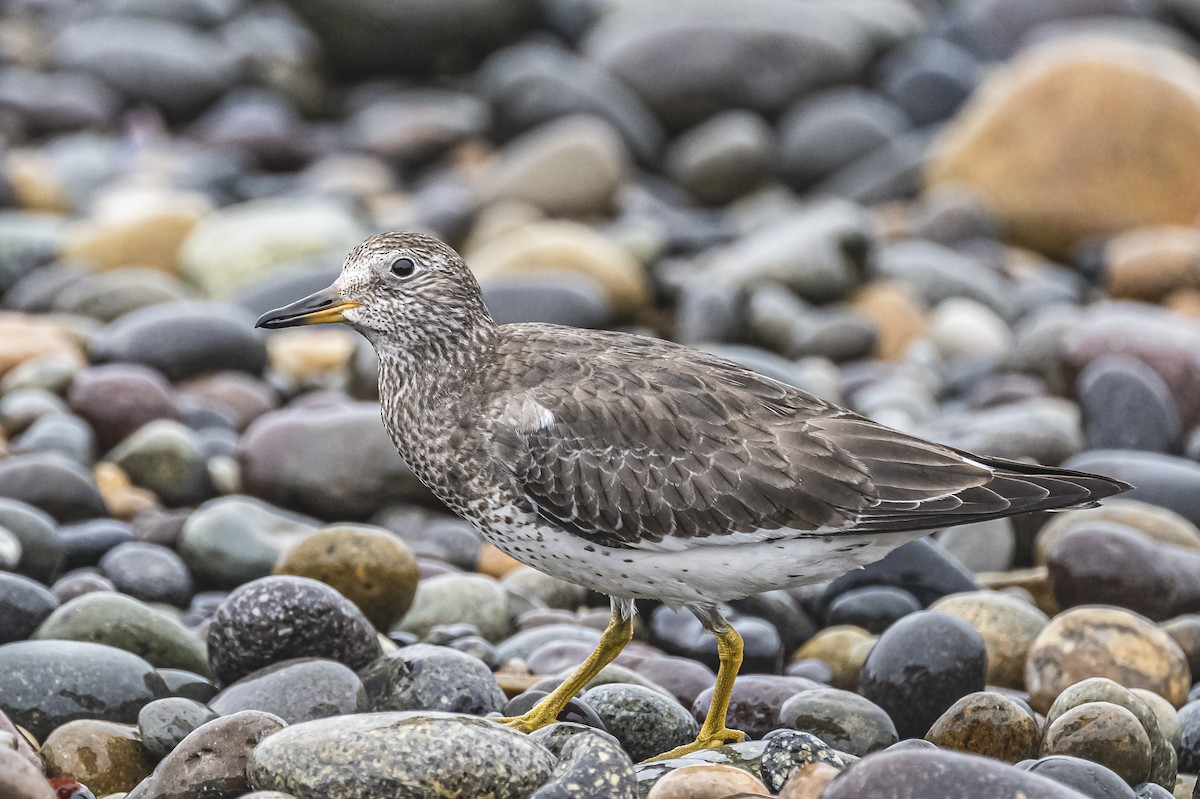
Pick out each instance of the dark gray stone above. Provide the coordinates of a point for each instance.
(872, 607)
(644, 721)
(929, 79)
(1091, 779)
(42, 551)
(832, 130)
(60, 487)
(919, 567)
(295, 691)
(149, 572)
(188, 685)
(165, 722)
(755, 701)
(372, 36)
(47, 683)
(533, 83)
(118, 399)
(24, 603)
(183, 339)
(1126, 405)
(280, 618)
(172, 66)
(796, 49)
(1158, 479)
(559, 299)
(61, 434)
(921, 666)
(428, 677)
(351, 466)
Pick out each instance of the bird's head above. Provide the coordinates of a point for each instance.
(398, 289)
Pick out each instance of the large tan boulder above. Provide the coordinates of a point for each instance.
(1080, 138)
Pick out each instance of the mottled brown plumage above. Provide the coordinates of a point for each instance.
(641, 468)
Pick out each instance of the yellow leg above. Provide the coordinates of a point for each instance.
(713, 732)
(614, 638)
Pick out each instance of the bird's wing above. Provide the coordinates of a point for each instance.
(634, 446)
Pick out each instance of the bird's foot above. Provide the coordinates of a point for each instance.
(706, 740)
(527, 722)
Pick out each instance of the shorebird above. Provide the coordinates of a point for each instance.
(643, 469)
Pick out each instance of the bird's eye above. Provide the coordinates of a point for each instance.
(403, 267)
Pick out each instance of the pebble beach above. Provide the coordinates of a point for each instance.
(976, 221)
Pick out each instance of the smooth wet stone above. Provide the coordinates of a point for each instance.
(843, 649)
(117, 399)
(427, 677)
(831, 129)
(236, 395)
(60, 487)
(723, 157)
(1104, 733)
(1153, 521)
(372, 568)
(1127, 405)
(165, 722)
(922, 665)
(148, 572)
(683, 678)
(843, 719)
(232, 540)
(523, 644)
(989, 724)
(644, 721)
(47, 683)
(87, 542)
(562, 299)
(1008, 626)
(1167, 480)
(706, 781)
(1110, 564)
(535, 81)
(924, 773)
(10, 550)
(450, 540)
(334, 461)
(1104, 642)
(295, 691)
(424, 755)
(167, 458)
(188, 685)
(452, 598)
(21, 779)
(59, 433)
(873, 608)
(212, 760)
(539, 587)
(1189, 747)
(918, 567)
(572, 165)
(22, 407)
(680, 633)
(590, 765)
(24, 603)
(755, 701)
(1091, 779)
(125, 623)
(278, 618)
(183, 339)
(79, 582)
(647, 49)
(106, 757)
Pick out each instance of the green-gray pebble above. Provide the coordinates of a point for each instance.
(117, 620)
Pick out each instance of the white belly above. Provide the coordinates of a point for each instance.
(700, 574)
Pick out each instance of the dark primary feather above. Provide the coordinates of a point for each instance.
(652, 443)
